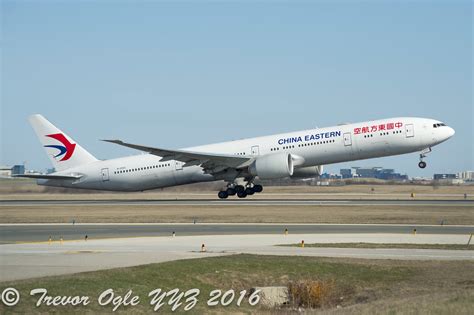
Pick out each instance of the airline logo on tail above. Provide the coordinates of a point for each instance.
(66, 150)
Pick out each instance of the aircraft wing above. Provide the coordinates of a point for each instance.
(48, 176)
(211, 162)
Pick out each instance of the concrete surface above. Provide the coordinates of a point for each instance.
(22, 261)
(236, 201)
(11, 233)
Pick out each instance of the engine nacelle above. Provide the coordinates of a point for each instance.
(307, 172)
(272, 166)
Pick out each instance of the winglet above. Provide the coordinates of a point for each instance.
(112, 141)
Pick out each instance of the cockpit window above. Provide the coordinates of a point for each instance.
(438, 125)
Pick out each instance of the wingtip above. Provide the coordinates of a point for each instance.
(112, 140)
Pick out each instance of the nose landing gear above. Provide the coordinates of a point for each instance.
(422, 164)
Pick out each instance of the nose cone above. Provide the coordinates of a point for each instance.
(448, 132)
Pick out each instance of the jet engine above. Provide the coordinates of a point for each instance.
(272, 166)
(307, 172)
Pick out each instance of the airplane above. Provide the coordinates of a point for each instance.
(299, 154)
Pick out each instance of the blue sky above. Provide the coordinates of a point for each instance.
(177, 74)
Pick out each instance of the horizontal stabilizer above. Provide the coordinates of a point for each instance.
(48, 176)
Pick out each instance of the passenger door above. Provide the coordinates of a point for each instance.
(255, 150)
(409, 131)
(347, 139)
(105, 174)
(347, 143)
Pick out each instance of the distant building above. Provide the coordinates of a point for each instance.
(347, 172)
(389, 174)
(422, 179)
(444, 176)
(18, 169)
(322, 183)
(330, 176)
(372, 172)
(466, 175)
(5, 171)
(368, 172)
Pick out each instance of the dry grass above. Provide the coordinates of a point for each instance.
(408, 214)
(454, 302)
(355, 285)
(413, 214)
(28, 190)
(313, 293)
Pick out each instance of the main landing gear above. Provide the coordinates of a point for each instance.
(240, 190)
(422, 164)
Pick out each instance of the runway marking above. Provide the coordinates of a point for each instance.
(39, 232)
(84, 252)
(240, 224)
(56, 243)
(246, 204)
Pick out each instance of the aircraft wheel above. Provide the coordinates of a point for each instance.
(223, 194)
(241, 194)
(231, 191)
(239, 188)
(422, 164)
(258, 188)
(249, 191)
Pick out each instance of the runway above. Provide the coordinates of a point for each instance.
(26, 253)
(242, 202)
(12, 233)
(29, 260)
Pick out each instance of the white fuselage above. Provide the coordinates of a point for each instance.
(316, 147)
